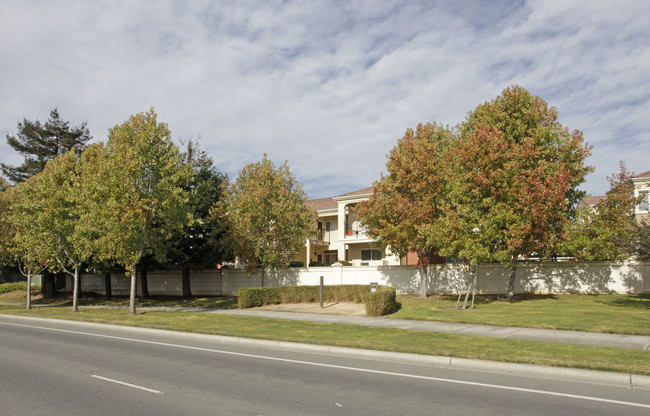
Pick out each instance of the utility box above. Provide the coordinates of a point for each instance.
(373, 287)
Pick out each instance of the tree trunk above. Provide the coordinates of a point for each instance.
(132, 291)
(108, 290)
(48, 288)
(29, 289)
(263, 273)
(187, 289)
(422, 270)
(511, 283)
(75, 290)
(144, 284)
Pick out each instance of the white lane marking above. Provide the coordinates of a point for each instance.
(340, 367)
(123, 383)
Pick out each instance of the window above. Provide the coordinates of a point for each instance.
(370, 254)
(644, 205)
(331, 257)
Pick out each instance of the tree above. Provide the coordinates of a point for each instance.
(404, 213)
(605, 232)
(26, 240)
(200, 243)
(56, 196)
(266, 216)
(515, 178)
(641, 240)
(5, 226)
(134, 196)
(39, 143)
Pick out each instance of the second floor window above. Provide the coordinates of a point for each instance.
(644, 205)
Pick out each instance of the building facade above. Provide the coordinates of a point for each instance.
(340, 235)
(642, 189)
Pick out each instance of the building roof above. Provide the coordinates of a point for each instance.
(642, 175)
(326, 204)
(321, 204)
(592, 201)
(360, 192)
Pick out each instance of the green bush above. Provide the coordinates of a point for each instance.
(296, 264)
(345, 263)
(12, 287)
(382, 302)
(376, 305)
(316, 264)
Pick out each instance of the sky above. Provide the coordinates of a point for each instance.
(328, 86)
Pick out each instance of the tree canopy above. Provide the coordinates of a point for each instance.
(26, 240)
(134, 196)
(505, 186)
(55, 197)
(39, 143)
(200, 242)
(405, 210)
(606, 231)
(266, 217)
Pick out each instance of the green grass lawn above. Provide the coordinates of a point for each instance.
(622, 314)
(385, 339)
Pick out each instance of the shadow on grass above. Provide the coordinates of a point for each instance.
(638, 301)
(91, 299)
(489, 299)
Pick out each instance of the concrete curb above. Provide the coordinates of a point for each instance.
(625, 380)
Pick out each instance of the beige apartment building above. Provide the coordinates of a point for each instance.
(340, 235)
(642, 189)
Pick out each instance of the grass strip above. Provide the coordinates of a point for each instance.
(615, 313)
(385, 339)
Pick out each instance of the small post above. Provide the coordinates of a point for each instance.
(373, 287)
(321, 292)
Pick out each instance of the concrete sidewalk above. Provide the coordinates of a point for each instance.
(633, 342)
(352, 317)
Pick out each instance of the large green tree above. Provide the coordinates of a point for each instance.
(201, 242)
(135, 197)
(57, 199)
(404, 213)
(39, 143)
(515, 178)
(606, 231)
(26, 240)
(266, 217)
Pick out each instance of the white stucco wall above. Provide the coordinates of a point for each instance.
(592, 277)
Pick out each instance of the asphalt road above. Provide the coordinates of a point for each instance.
(63, 368)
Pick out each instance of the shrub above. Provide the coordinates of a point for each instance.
(382, 302)
(12, 287)
(377, 304)
(296, 264)
(345, 263)
(316, 264)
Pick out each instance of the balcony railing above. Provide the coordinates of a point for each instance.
(356, 235)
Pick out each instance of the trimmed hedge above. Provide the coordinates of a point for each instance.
(12, 287)
(377, 304)
(382, 302)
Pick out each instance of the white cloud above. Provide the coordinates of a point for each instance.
(330, 86)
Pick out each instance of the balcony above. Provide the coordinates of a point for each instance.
(356, 235)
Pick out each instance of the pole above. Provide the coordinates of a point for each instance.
(321, 292)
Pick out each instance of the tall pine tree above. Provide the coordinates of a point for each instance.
(39, 143)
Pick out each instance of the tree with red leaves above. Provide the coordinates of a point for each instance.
(515, 178)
